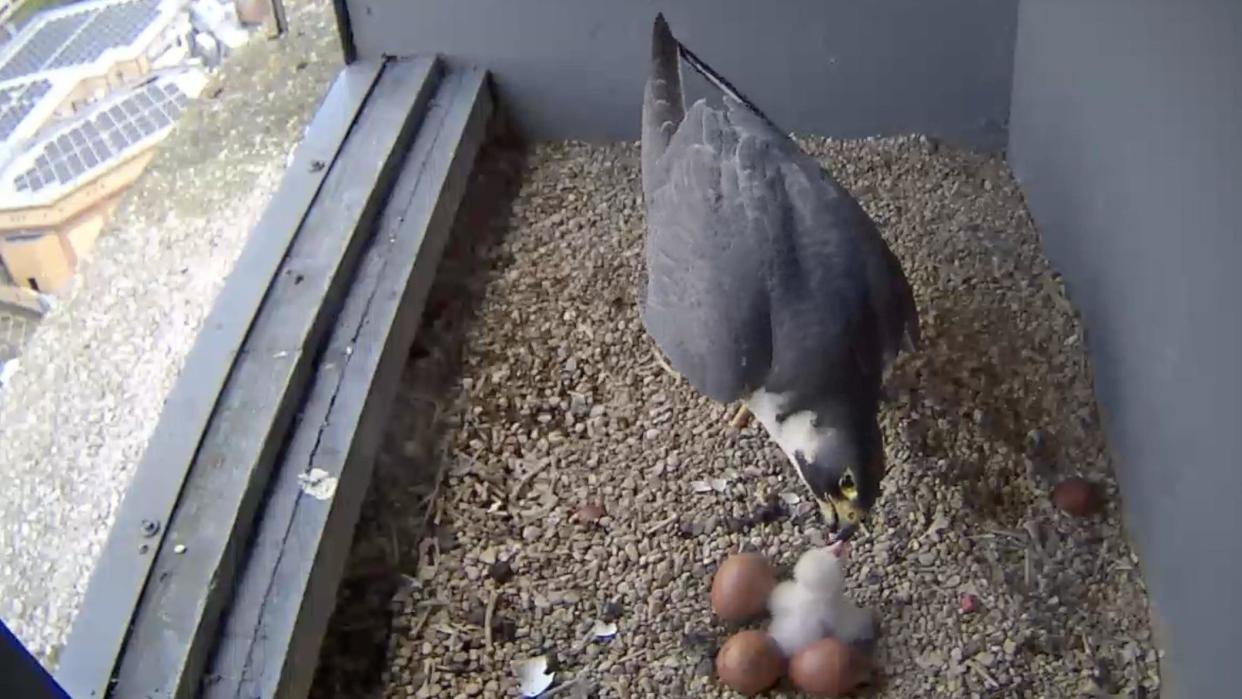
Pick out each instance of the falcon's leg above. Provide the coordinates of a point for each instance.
(741, 418)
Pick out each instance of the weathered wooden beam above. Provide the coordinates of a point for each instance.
(102, 621)
(288, 590)
(175, 625)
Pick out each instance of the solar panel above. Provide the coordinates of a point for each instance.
(106, 134)
(43, 45)
(18, 102)
(81, 37)
(113, 26)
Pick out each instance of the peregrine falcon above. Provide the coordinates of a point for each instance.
(768, 283)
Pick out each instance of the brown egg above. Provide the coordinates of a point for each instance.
(829, 668)
(749, 662)
(741, 586)
(1076, 496)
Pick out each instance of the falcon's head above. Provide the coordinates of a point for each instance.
(842, 466)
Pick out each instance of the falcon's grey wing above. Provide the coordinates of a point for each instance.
(706, 302)
(842, 307)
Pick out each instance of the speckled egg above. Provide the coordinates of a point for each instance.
(829, 668)
(749, 662)
(741, 586)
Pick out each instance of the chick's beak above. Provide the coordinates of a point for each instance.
(843, 517)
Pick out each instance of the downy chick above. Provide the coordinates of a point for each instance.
(813, 605)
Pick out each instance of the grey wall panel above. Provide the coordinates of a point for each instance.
(1127, 136)
(575, 68)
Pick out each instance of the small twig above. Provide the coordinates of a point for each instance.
(427, 669)
(526, 478)
(659, 358)
(661, 524)
(433, 499)
(488, 615)
(422, 620)
(988, 679)
(439, 516)
(632, 655)
(1006, 533)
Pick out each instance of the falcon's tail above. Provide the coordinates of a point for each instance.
(721, 83)
(663, 103)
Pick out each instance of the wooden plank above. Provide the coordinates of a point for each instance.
(175, 624)
(102, 620)
(287, 593)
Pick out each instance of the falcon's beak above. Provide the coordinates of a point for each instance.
(843, 517)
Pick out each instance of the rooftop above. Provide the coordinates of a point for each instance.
(60, 48)
(120, 126)
(77, 35)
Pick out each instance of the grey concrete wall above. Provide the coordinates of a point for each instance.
(1127, 136)
(576, 68)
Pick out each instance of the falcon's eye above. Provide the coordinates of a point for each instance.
(848, 489)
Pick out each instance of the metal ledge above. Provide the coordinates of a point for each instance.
(313, 279)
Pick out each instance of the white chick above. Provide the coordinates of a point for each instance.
(823, 570)
(813, 605)
(798, 616)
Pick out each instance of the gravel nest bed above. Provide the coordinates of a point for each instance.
(540, 470)
(76, 418)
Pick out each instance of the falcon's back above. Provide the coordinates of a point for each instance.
(762, 271)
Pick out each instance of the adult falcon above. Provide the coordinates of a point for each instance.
(768, 283)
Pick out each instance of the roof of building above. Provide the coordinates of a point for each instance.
(59, 48)
(42, 160)
(110, 132)
(77, 34)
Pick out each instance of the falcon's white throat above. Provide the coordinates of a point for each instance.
(796, 433)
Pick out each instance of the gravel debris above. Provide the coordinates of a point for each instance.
(75, 420)
(534, 392)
